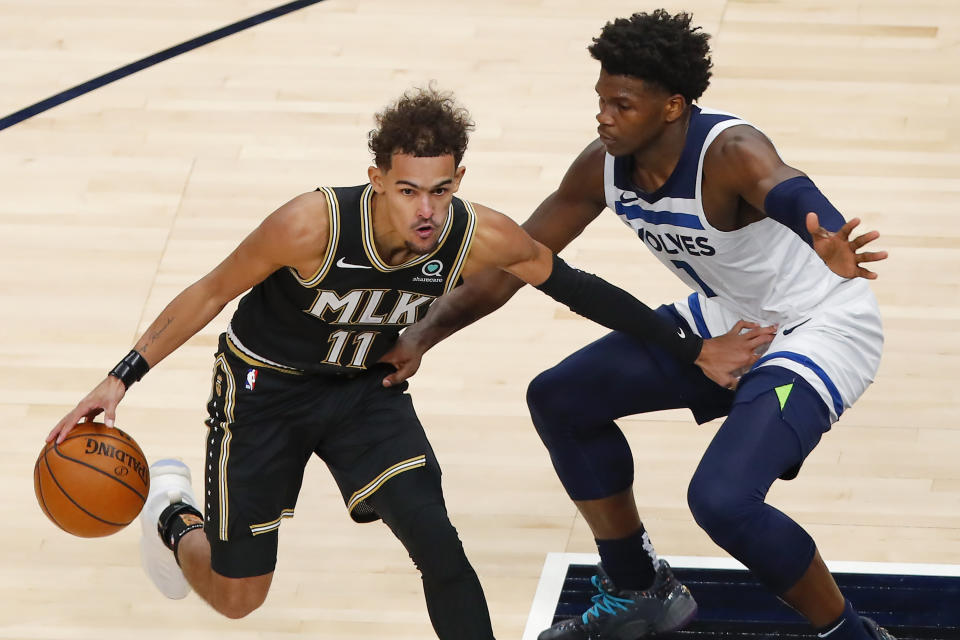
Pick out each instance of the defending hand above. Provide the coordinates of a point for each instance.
(405, 356)
(839, 252)
(724, 358)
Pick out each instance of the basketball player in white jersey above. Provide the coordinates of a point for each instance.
(754, 239)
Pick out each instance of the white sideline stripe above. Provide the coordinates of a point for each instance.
(555, 570)
(548, 590)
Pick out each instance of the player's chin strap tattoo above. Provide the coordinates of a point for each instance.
(614, 308)
(129, 370)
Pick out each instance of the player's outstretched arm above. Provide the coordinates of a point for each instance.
(503, 244)
(289, 236)
(745, 162)
(482, 294)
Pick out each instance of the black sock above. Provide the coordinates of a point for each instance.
(847, 627)
(630, 562)
(175, 522)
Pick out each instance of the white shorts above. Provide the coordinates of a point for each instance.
(835, 346)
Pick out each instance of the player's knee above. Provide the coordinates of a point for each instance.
(719, 506)
(433, 544)
(549, 400)
(238, 598)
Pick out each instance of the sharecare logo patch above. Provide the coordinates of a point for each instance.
(432, 272)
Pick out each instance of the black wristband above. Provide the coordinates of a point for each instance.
(129, 370)
(614, 308)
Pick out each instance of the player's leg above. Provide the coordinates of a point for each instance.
(573, 406)
(232, 597)
(776, 420)
(412, 505)
(180, 526)
(386, 470)
(254, 465)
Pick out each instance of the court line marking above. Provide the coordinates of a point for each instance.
(555, 571)
(161, 56)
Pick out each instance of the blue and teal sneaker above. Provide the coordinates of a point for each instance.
(627, 615)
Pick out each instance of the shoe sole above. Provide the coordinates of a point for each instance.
(177, 591)
(677, 618)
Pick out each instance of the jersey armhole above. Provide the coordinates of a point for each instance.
(708, 141)
(453, 277)
(333, 226)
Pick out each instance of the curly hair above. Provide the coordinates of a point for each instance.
(659, 48)
(423, 122)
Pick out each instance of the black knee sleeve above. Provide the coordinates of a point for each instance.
(433, 544)
(412, 506)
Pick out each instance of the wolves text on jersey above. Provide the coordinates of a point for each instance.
(674, 243)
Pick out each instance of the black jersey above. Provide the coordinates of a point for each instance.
(349, 313)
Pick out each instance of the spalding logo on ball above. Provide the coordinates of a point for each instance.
(94, 483)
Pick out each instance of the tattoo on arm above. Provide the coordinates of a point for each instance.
(153, 336)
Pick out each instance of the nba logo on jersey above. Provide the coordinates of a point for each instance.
(251, 379)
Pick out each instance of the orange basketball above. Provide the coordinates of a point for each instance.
(94, 483)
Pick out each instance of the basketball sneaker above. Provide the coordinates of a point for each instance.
(169, 484)
(875, 630)
(626, 615)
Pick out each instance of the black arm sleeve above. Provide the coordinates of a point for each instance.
(598, 300)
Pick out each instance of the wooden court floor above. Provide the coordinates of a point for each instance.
(113, 202)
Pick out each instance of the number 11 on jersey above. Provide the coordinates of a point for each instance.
(338, 342)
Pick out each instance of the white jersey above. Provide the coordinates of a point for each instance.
(763, 273)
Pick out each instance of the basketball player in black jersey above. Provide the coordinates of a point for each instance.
(333, 275)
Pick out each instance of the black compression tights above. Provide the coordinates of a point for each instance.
(411, 504)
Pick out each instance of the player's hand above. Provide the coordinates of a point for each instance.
(405, 356)
(839, 252)
(725, 358)
(103, 399)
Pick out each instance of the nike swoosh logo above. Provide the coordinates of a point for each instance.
(347, 265)
(827, 633)
(626, 200)
(681, 333)
(787, 332)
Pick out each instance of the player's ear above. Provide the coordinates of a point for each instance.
(674, 107)
(375, 175)
(457, 177)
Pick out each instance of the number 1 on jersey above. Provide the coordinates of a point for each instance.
(338, 340)
(707, 291)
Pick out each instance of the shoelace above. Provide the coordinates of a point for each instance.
(603, 602)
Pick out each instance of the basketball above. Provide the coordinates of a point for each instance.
(94, 483)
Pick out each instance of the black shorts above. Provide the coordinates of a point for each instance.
(263, 427)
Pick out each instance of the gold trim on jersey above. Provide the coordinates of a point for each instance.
(370, 488)
(237, 349)
(465, 245)
(229, 403)
(333, 212)
(370, 248)
(267, 527)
